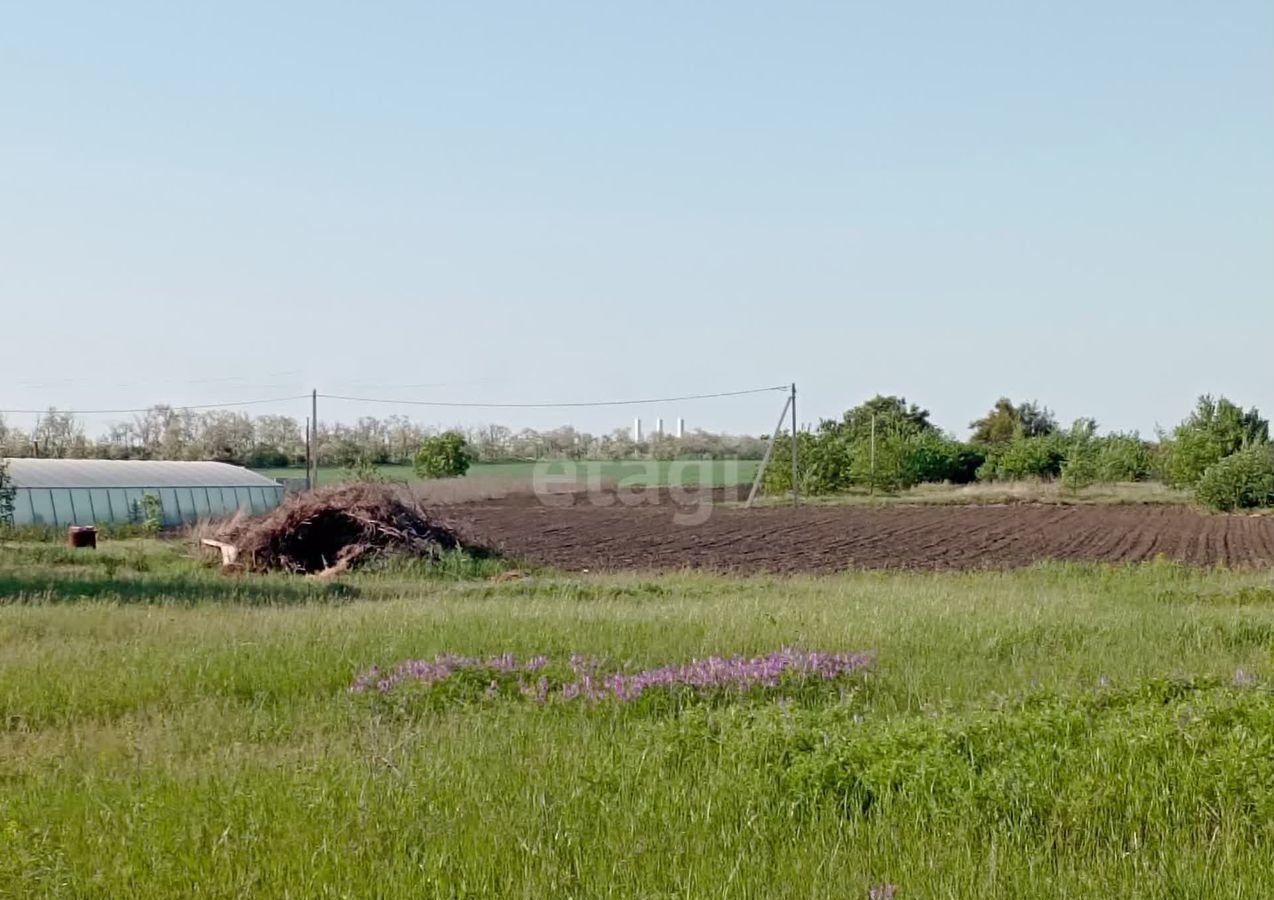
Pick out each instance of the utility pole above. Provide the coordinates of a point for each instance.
(872, 489)
(314, 436)
(769, 451)
(796, 469)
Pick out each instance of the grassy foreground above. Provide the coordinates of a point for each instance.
(1060, 731)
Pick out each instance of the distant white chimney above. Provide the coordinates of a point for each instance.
(681, 427)
(659, 427)
(637, 431)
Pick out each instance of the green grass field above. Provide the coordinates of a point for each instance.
(715, 473)
(1063, 731)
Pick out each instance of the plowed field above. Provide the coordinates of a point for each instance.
(826, 539)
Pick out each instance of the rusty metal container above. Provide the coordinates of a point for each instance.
(82, 537)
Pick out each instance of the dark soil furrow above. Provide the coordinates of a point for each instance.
(825, 539)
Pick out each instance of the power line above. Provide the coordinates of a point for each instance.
(587, 403)
(142, 409)
(434, 403)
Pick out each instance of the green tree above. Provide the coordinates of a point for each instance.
(8, 494)
(824, 465)
(1123, 457)
(1033, 457)
(1214, 430)
(443, 455)
(892, 415)
(871, 444)
(884, 443)
(883, 464)
(1082, 465)
(1006, 421)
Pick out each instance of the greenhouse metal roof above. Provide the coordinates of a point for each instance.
(129, 473)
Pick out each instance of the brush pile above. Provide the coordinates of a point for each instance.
(333, 529)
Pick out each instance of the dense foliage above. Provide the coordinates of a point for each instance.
(1242, 480)
(1216, 429)
(445, 455)
(1007, 421)
(273, 441)
(884, 444)
(903, 449)
(1039, 456)
(887, 444)
(1122, 456)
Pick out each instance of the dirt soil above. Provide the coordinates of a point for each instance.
(646, 534)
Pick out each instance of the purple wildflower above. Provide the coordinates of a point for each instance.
(581, 664)
(735, 673)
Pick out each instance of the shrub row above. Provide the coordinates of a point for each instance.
(1220, 450)
(831, 464)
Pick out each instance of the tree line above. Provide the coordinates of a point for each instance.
(272, 441)
(1220, 451)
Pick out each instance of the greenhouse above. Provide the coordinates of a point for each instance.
(60, 492)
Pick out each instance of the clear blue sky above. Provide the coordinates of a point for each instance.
(1072, 202)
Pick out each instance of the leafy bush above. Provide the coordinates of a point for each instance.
(1243, 480)
(963, 463)
(887, 468)
(884, 443)
(825, 461)
(1023, 457)
(148, 513)
(444, 455)
(1212, 432)
(1123, 457)
(265, 457)
(1079, 456)
(365, 471)
(933, 458)
(830, 463)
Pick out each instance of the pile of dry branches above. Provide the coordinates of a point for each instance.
(333, 529)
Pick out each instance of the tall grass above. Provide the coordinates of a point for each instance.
(1059, 731)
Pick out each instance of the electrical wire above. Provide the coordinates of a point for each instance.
(575, 404)
(105, 412)
(435, 403)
